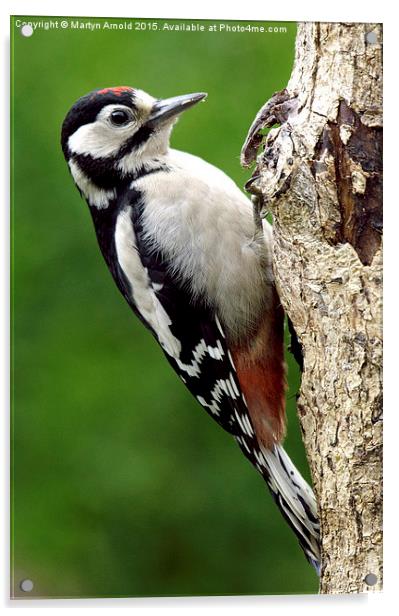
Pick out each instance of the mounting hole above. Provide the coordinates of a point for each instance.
(371, 38)
(26, 585)
(371, 579)
(26, 30)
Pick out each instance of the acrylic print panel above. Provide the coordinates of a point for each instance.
(122, 485)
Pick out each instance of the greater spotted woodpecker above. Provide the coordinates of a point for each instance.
(180, 241)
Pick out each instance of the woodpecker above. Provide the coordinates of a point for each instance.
(181, 242)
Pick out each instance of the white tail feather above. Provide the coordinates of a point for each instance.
(295, 499)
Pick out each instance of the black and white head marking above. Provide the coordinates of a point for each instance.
(99, 130)
(111, 135)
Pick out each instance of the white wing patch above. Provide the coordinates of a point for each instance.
(223, 386)
(200, 351)
(143, 293)
(219, 326)
(245, 424)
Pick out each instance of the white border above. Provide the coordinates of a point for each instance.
(306, 10)
(290, 10)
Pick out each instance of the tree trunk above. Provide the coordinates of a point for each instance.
(320, 174)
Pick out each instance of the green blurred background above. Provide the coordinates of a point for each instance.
(121, 484)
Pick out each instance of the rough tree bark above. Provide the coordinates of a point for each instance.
(320, 174)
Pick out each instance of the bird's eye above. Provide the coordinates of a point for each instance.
(119, 117)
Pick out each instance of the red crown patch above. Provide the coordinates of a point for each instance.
(118, 90)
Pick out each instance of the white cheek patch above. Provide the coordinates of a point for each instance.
(96, 140)
(100, 139)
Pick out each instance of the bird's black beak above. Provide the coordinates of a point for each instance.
(167, 108)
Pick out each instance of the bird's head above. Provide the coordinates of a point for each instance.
(111, 133)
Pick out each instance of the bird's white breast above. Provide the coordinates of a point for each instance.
(204, 226)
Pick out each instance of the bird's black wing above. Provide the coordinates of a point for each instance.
(206, 366)
(204, 363)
